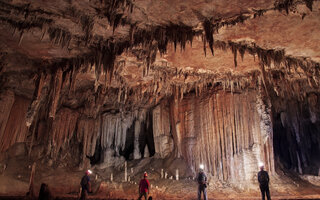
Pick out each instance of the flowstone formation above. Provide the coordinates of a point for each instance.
(127, 86)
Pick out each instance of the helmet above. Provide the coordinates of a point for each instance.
(145, 174)
(88, 172)
(261, 164)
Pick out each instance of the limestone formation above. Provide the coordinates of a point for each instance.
(167, 84)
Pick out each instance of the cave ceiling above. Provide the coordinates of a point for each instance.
(162, 47)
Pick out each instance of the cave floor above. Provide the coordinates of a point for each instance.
(64, 182)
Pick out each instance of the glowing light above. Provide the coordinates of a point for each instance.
(261, 164)
(89, 171)
(201, 166)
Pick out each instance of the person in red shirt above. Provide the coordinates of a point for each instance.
(144, 186)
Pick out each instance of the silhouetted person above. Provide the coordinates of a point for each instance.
(263, 179)
(44, 193)
(144, 186)
(202, 181)
(85, 185)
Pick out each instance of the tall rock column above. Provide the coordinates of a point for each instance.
(161, 130)
(136, 150)
(230, 133)
(266, 133)
(176, 126)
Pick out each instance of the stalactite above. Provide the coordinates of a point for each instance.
(63, 129)
(178, 34)
(283, 5)
(21, 37)
(114, 10)
(258, 13)
(39, 96)
(59, 36)
(208, 28)
(25, 24)
(87, 25)
(309, 4)
(269, 56)
(57, 82)
(234, 51)
(88, 131)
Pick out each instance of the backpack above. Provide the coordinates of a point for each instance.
(84, 182)
(263, 178)
(201, 178)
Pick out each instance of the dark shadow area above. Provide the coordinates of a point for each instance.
(96, 158)
(146, 136)
(296, 138)
(129, 146)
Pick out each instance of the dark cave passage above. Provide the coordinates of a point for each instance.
(96, 158)
(146, 136)
(296, 127)
(145, 139)
(129, 146)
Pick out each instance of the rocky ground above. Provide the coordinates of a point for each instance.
(64, 182)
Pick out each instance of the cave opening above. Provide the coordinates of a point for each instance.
(296, 140)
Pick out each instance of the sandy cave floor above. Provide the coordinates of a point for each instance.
(64, 182)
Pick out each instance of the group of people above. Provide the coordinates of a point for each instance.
(263, 179)
(144, 185)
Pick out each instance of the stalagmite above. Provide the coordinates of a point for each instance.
(31, 193)
(146, 152)
(125, 172)
(177, 174)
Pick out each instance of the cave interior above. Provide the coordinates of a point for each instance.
(127, 86)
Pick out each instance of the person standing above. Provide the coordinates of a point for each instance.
(144, 186)
(85, 185)
(263, 179)
(202, 181)
(44, 193)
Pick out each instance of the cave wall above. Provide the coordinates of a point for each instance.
(13, 127)
(73, 134)
(230, 133)
(296, 133)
